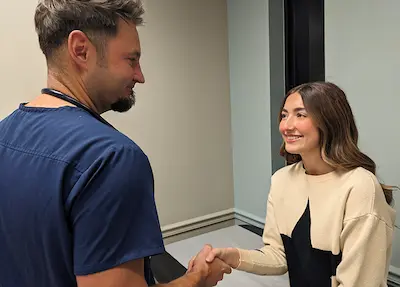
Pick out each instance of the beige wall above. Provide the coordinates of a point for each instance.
(182, 117)
(22, 67)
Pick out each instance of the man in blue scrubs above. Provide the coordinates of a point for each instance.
(77, 196)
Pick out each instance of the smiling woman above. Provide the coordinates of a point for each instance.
(329, 221)
(300, 134)
(318, 128)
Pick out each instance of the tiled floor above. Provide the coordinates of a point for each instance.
(234, 236)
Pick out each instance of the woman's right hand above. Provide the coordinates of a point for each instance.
(230, 256)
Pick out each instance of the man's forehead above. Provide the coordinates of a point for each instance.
(128, 38)
(127, 27)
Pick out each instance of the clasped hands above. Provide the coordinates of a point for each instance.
(214, 263)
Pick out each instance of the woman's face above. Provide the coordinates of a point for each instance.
(298, 131)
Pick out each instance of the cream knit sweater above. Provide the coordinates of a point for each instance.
(330, 230)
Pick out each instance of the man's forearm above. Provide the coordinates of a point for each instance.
(192, 279)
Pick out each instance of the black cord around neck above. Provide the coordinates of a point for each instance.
(75, 102)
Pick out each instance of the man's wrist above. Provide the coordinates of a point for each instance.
(199, 276)
(193, 278)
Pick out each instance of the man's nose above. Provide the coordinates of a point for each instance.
(139, 77)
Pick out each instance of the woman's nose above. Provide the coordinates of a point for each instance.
(289, 123)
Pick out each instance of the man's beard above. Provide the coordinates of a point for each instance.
(124, 104)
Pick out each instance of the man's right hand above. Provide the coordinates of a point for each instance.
(202, 274)
(211, 272)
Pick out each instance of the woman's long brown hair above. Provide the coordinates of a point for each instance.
(331, 113)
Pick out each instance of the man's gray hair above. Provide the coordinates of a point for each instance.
(98, 19)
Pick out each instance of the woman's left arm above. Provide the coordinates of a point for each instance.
(366, 243)
(366, 236)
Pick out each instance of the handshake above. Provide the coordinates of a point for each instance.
(214, 263)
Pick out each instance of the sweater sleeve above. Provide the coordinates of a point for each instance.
(366, 243)
(271, 259)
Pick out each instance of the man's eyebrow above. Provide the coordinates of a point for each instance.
(135, 54)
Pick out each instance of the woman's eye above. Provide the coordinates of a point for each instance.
(301, 115)
(283, 116)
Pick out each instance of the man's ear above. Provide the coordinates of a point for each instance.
(80, 48)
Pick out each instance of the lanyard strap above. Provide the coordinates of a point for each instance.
(73, 101)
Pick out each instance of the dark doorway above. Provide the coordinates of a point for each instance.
(304, 42)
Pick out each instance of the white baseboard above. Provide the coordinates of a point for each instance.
(394, 276)
(210, 219)
(249, 218)
(197, 223)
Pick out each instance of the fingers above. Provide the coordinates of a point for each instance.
(212, 256)
(216, 252)
(191, 264)
(210, 266)
(218, 270)
(222, 266)
(227, 269)
(204, 252)
(200, 257)
(207, 248)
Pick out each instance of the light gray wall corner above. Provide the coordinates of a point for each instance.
(248, 31)
(277, 75)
